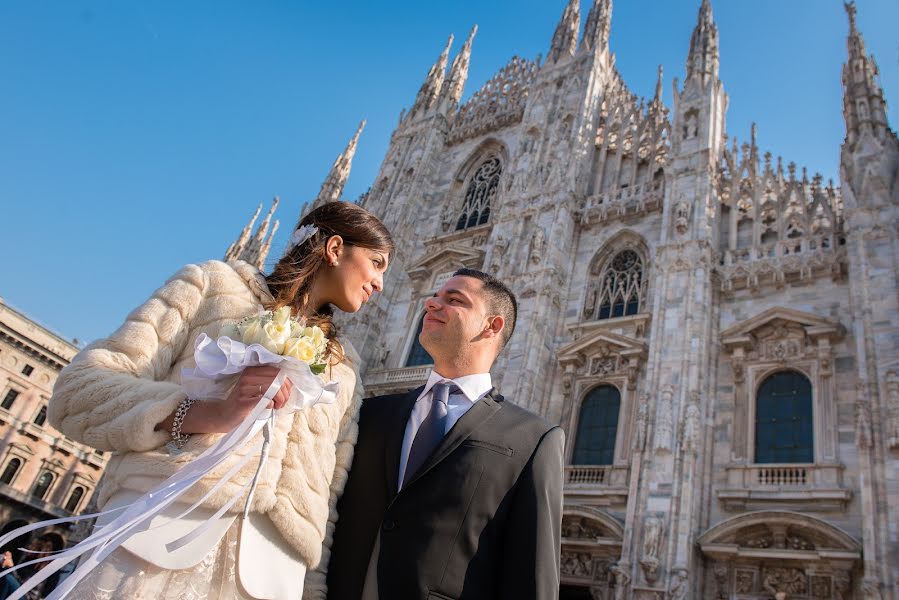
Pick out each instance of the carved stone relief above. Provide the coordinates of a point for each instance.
(652, 540)
(892, 393)
(621, 574)
(678, 587)
(784, 580)
(577, 564)
(664, 420)
(691, 425)
(682, 212)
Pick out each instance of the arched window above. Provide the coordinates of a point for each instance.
(417, 354)
(41, 416)
(783, 419)
(12, 467)
(480, 193)
(74, 499)
(43, 485)
(621, 286)
(597, 427)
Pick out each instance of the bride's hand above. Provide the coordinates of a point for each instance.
(223, 416)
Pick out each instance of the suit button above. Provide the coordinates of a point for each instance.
(389, 525)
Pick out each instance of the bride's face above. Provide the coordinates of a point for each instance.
(354, 279)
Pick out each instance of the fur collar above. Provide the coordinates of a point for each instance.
(254, 279)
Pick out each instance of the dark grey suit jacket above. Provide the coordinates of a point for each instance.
(481, 519)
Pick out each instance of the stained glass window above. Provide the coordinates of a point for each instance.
(481, 191)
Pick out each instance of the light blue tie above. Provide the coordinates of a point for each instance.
(431, 430)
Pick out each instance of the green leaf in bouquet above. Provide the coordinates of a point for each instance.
(317, 369)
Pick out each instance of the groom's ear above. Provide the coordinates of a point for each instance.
(495, 326)
(333, 249)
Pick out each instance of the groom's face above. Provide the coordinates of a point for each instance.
(454, 317)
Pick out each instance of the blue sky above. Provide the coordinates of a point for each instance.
(136, 137)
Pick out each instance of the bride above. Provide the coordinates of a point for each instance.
(122, 394)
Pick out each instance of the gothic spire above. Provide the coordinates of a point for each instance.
(236, 247)
(254, 250)
(864, 108)
(658, 96)
(598, 26)
(565, 37)
(332, 188)
(430, 89)
(702, 61)
(453, 87)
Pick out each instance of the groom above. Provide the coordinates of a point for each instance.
(455, 493)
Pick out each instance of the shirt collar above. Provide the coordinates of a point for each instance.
(472, 386)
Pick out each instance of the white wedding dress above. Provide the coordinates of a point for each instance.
(248, 560)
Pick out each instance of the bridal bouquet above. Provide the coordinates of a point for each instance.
(272, 338)
(269, 338)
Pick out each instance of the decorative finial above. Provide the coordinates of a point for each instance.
(659, 84)
(850, 11)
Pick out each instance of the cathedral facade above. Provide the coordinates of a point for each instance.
(715, 329)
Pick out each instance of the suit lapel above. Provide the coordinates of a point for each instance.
(480, 412)
(396, 430)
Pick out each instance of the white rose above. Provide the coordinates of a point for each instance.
(300, 348)
(251, 332)
(276, 334)
(281, 316)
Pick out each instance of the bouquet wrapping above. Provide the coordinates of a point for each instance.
(272, 338)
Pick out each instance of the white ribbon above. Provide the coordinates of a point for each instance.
(216, 362)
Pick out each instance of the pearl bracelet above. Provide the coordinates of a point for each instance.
(178, 438)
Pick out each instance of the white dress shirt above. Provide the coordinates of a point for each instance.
(473, 388)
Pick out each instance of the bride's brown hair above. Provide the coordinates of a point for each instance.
(292, 278)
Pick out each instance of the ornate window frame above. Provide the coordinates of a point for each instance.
(782, 339)
(457, 198)
(623, 241)
(600, 358)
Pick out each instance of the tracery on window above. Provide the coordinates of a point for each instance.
(621, 287)
(479, 196)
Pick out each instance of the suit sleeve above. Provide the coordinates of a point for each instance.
(530, 560)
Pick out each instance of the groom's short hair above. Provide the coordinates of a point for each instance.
(500, 300)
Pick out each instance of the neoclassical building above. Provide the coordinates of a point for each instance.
(43, 474)
(715, 328)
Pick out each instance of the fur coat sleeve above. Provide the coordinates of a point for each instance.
(115, 391)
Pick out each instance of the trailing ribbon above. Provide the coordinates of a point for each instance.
(216, 363)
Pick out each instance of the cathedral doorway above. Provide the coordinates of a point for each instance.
(591, 547)
(778, 554)
(574, 592)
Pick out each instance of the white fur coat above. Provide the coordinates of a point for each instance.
(117, 389)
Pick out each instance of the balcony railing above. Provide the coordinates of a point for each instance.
(812, 244)
(408, 377)
(809, 487)
(624, 201)
(596, 484)
(32, 501)
(588, 475)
